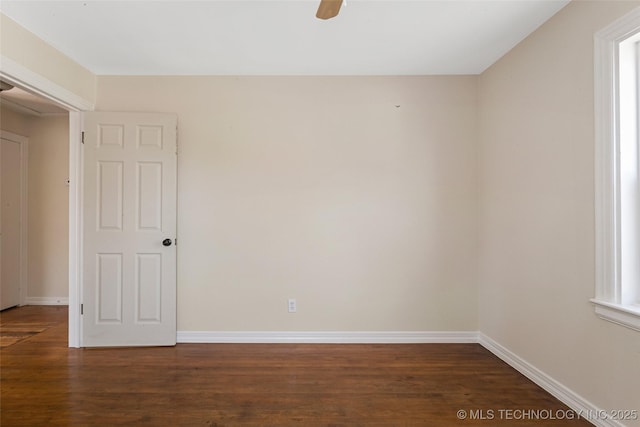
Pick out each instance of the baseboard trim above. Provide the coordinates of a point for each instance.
(580, 405)
(359, 337)
(47, 301)
(577, 403)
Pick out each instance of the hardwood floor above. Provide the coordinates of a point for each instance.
(45, 383)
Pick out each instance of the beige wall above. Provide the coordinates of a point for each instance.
(48, 155)
(48, 207)
(14, 122)
(377, 217)
(33, 53)
(356, 196)
(536, 211)
(48, 201)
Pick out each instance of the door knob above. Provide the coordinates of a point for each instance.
(166, 242)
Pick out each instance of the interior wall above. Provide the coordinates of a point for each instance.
(48, 203)
(354, 195)
(48, 208)
(14, 122)
(536, 210)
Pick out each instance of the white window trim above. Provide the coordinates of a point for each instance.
(607, 239)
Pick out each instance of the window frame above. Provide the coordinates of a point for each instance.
(607, 299)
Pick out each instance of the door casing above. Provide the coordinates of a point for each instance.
(20, 76)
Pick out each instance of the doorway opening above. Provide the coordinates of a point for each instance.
(72, 106)
(35, 220)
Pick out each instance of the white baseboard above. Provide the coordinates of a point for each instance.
(47, 301)
(326, 337)
(577, 403)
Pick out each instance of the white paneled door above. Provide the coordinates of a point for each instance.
(129, 230)
(11, 217)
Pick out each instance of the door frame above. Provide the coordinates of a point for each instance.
(19, 75)
(23, 142)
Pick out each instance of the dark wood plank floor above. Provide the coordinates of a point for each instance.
(44, 383)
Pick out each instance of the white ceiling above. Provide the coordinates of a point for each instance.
(275, 37)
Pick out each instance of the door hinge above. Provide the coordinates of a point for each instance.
(83, 137)
(176, 242)
(81, 309)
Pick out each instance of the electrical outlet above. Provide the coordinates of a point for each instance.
(292, 305)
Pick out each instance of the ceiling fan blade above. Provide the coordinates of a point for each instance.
(328, 8)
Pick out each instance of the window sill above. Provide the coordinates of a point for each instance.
(625, 315)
